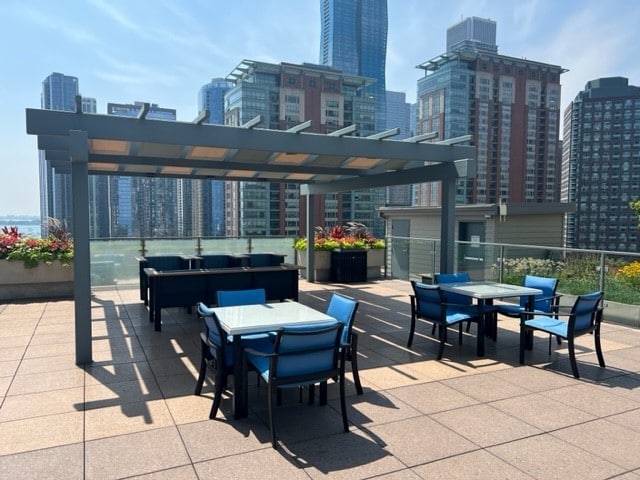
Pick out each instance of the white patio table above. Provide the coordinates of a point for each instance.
(485, 292)
(247, 319)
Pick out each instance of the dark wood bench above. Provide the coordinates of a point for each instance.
(185, 288)
(163, 263)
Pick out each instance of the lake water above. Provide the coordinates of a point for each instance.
(27, 229)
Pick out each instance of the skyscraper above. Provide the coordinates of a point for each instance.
(473, 33)
(510, 106)
(601, 165)
(211, 97)
(59, 92)
(398, 116)
(285, 95)
(354, 40)
(145, 206)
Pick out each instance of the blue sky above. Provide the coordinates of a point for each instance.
(163, 51)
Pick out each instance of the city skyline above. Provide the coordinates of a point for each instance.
(163, 52)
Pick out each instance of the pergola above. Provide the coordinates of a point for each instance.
(92, 144)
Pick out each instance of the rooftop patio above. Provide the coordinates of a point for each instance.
(132, 413)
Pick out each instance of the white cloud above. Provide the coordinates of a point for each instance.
(39, 19)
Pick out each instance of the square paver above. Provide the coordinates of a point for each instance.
(547, 457)
(432, 397)
(605, 439)
(485, 425)
(40, 432)
(135, 454)
(64, 462)
(420, 440)
(542, 411)
(479, 464)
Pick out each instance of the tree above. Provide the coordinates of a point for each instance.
(635, 206)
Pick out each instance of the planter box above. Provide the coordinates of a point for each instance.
(44, 281)
(322, 264)
(348, 265)
(375, 262)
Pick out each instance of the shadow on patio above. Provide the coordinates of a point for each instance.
(133, 412)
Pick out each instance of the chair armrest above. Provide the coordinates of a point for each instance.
(556, 314)
(258, 353)
(202, 308)
(551, 297)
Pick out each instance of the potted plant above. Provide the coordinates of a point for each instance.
(33, 267)
(341, 238)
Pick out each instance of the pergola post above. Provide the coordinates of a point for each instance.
(448, 225)
(79, 155)
(311, 267)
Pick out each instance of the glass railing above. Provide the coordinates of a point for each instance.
(579, 271)
(114, 262)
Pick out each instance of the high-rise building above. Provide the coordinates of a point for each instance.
(398, 113)
(211, 97)
(146, 206)
(59, 92)
(473, 33)
(285, 95)
(510, 107)
(601, 165)
(398, 116)
(353, 39)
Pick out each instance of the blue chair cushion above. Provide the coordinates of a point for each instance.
(456, 315)
(549, 324)
(514, 310)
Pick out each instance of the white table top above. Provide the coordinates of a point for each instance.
(484, 290)
(245, 319)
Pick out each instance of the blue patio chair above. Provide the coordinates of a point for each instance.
(229, 298)
(430, 303)
(458, 277)
(456, 298)
(585, 317)
(303, 356)
(547, 303)
(217, 354)
(343, 309)
(253, 296)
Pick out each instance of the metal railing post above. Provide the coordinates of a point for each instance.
(602, 272)
(143, 248)
(199, 246)
(501, 264)
(433, 261)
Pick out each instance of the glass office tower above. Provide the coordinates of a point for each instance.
(354, 40)
(59, 92)
(211, 97)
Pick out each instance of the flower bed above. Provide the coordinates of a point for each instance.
(31, 251)
(34, 267)
(353, 236)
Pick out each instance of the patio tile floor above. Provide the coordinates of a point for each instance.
(132, 412)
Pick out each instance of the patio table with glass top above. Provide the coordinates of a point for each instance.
(249, 319)
(485, 292)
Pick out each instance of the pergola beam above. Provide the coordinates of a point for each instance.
(428, 173)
